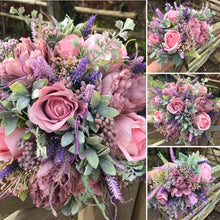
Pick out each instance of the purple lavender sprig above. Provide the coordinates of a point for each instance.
(93, 76)
(41, 69)
(172, 155)
(76, 74)
(113, 187)
(88, 26)
(9, 169)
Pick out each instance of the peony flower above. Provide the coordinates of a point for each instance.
(172, 15)
(54, 107)
(205, 175)
(202, 121)
(176, 106)
(199, 29)
(11, 70)
(172, 40)
(203, 104)
(65, 47)
(172, 132)
(191, 200)
(159, 116)
(91, 43)
(127, 90)
(154, 38)
(131, 130)
(53, 185)
(162, 196)
(26, 51)
(9, 144)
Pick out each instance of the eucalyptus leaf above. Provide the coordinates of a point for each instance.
(92, 158)
(18, 88)
(40, 84)
(129, 24)
(95, 174)
(95, 99)
(119, 24)
(36, 94)
(94, 140)
(107, 167)
(81, 137)
(106, 111)
(88, 170)
(67, 139)
(23, 102)
(74, 207)
(11, 124)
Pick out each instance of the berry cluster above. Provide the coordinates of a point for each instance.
(29, 159)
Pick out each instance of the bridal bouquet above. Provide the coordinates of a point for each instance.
(182, 187)
(183, 111)
(177, 34)
(69, 124)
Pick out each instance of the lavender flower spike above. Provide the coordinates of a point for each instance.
(76, 74)
(173, 158)
(9, 169)
(88, 26)
(113, 187)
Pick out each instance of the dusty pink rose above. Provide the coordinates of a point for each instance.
(172, 16)
(54, 107)
(191, 200)
(131, 129)
(154, 38)
(203, 104)
(26, 50)
(199, 29)
(205, 175)
(11, 71)
(172, 132)
(9, 144)
(159, 116)
(175, 106)
(90, 43)
(186, 86)
(65, 47)
(127, 90)
(172, 40)
(162, 196)
(202, 121)
(172, 89)
(52, 185)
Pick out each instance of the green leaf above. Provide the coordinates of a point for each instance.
(75, 43)
(92, 158)
(67, 139)
(74, 207)
(81, 137)
(77, 33)
(6, 114)
(23, 195)
(11, 124)
(119, 24)
(36, 94)
(177, 59)
(106, 111)
(18, 88)
(95, 174)
(26, 136)
(94, 140)
(107, 167)
(104, 152)
(105, 99)
(88, 170)
(23, 102)
(129, 24)
(89, 117)
(115, 53)
(95, 99)
(40, 84)
(66, 210)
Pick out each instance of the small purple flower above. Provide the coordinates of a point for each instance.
(9, 169)
(88, 26)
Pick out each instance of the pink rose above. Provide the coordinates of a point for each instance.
(65, 47)
(162, 196)
(159, 116)
(131, 129)
(172, 132)
(154, 38)
(127, 89)
(202, 121)
(90, 43)
(175, 106)
(205, 175)
(54, 107)
(9, 144)
(172, 40)
(186, 86)
(11, 71)
(171, 90)
(172, 16)
(191, 200)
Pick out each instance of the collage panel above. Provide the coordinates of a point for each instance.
(183, 183)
